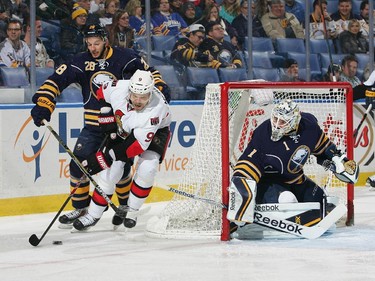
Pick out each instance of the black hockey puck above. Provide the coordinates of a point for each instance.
(57, 242)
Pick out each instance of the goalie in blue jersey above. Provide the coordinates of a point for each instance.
(270, 170)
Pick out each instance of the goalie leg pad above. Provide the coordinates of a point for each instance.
(242, 193)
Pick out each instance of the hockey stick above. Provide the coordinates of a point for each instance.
(33, 239)
(120, 212)
(362, 120)
(308, 232)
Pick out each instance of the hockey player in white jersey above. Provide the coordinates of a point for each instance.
(142, 118)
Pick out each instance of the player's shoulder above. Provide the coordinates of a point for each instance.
(309, 119)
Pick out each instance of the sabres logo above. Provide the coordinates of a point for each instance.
(298, 159)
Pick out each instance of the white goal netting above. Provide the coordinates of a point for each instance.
(249, 104)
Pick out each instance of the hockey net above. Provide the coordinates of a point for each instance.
(230, 114)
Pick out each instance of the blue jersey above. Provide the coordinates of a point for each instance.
(167, 25)
(283, 161)
(90, 74)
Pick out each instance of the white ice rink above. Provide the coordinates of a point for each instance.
(101, 254)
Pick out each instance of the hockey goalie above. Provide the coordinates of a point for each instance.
(270, 170)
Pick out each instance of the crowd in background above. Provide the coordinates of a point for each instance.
(206, 33)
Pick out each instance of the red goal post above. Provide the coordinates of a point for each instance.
(225, 94)
(231, 112)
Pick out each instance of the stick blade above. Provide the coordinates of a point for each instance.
(34, 240)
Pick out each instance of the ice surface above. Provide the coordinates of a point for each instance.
(103, 254)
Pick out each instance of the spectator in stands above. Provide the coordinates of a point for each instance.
(42, 58)
(13, 51)
(294, 7)
(229, 9)
(202, 6)
(291, 72)
(344, 11)
(5, 15)
(54, 9)
(352, 41)
(110, 9)
(20, 10)
(186, 52)
(188, 13)
(316, 21)
(349, 68)
(136, 18)
(240, 24)
(96, 6)
(211, 14)
(223, 52)
(166, 22)
(71, 36)
(176, 6)
(120, 34)
(364, 10)
(92, 18)
(279, 24)
(332, 76)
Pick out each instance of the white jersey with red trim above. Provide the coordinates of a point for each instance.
(144, 123)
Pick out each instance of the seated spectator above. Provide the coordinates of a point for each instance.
(364, 11)
(279, 24)
(71, 36)
(42, 58)
(291, 72)
(5, 15)
(136, 18)
(20, 10)
(110, 9)
(92, 18)
(211, 14)
(96, 6)
(352, 41)
(349, 66)
(240, 24)
(120, 34)
(202, 6)
(223, 52)
(295, 8)
(176, 6)
(188, 13)
(229, 9)
(13, 51)
(186, 52)
(332, 76)
(316, 21)
(166, 22)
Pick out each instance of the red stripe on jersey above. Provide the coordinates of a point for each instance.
(134, 149)
(98, 199)
(140, 192)
(99, 93)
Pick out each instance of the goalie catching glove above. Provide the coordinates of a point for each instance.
(344, 169)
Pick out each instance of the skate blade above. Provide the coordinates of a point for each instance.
(65, 226)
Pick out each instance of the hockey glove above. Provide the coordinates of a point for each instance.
(344, 169)
(107, 121)
(164, 88)
(97, 162)
(42, 110)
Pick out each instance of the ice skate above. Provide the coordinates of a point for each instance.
(67, 219)
(85, 222)
(131, 218)
(117, 220)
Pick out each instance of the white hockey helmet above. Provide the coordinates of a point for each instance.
(285, 118)
(141, 83)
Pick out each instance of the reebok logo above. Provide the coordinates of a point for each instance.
(277, 224)
(232, 201)
(266, 208)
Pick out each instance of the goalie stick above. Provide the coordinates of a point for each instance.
(362, 120)
(119, 211)
(308, 232)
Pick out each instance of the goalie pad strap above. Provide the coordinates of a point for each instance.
(242, 194)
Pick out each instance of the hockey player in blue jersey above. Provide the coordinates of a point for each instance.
(270, 170)
(90, 70)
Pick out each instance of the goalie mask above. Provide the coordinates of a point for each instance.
(285, 118)
(141, 85)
